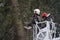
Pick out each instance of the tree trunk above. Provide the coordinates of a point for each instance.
(18, 20)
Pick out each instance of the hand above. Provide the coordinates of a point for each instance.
(27, 27)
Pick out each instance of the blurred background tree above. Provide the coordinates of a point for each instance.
(15, 13)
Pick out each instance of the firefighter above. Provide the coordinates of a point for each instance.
(35, 18)
(46, 16)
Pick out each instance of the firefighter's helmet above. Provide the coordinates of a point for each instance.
(37, 11)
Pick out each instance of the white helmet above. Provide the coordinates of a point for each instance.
(37, 11)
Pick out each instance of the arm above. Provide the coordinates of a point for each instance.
(43, 22)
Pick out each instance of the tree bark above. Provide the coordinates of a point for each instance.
(18, 20)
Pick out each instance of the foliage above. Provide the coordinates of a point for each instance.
(7, 16)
